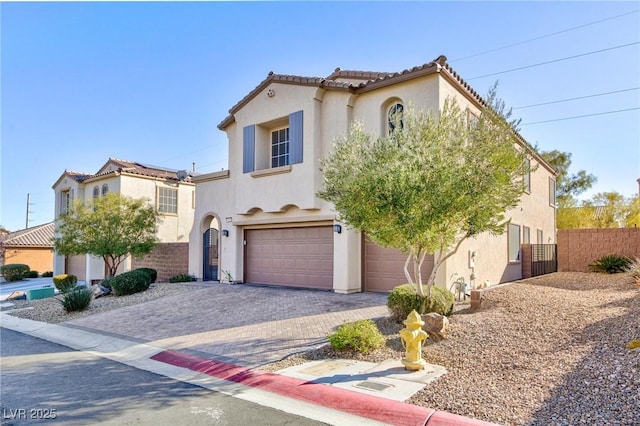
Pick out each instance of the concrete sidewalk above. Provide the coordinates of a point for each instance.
(204, 339)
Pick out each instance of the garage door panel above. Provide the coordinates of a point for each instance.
(300, 257)
(384, 267)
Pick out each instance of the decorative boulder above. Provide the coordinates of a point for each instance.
(435, 324)
(99, 291)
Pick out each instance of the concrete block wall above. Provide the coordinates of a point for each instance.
(577, 248)
(169, 259)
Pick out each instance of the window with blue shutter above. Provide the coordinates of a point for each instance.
(295, 137)
(248, 148)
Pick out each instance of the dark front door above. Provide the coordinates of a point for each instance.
(210, 254)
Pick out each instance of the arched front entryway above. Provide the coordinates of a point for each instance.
(210, 250)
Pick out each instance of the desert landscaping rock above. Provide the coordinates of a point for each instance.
(545, 351)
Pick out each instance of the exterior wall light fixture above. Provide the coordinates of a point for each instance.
(225, 232)
(337, 228)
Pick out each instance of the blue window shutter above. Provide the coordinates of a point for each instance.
(248, 148)
(295, 138)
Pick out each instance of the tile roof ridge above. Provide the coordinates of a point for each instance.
(27, 231)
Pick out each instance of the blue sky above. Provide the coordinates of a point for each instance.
(149, 82)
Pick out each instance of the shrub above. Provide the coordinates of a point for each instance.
(361, 336)
(14, 271)
(611, 264)
(130, 282)
(77, 298)
(65, 282)
(182, 278)
(47, 274)
(153, 274)
(402, 300)
(32, 274)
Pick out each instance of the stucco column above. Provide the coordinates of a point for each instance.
(347, 261)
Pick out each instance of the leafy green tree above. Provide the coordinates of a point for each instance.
(434, 182)
(632, 216)
(111, 227)
(568, 187)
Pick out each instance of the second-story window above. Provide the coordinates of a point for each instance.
(394, 117)
(65, 202)
(280, 147)
(96, 191)
(168, 200)
(105, 189)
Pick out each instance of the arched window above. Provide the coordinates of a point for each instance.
(96, 191)
(105, 189)
(394, 117)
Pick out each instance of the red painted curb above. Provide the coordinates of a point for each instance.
(371, 407)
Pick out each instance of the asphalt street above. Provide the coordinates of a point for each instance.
(45, 383)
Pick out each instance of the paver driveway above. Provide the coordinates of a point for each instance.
(244, 324)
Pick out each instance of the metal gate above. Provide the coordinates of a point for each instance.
(210, 255)
(544, 259)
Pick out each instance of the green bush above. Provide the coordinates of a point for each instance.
(14, 271)
(611, 264)
(65, 282)
(47, 274)
(361, 336)
(182, 278)
(77, 298)
(402, 300)
(32, 274)
(130, 282)
(153, 274)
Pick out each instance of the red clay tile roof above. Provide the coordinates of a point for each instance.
(135, 168)
(371, 80)
(36, 236)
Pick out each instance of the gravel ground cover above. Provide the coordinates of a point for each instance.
(545, 351)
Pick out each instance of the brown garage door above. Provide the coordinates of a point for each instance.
(297, 257)
(384, 267)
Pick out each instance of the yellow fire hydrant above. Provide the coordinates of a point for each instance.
(412, 337)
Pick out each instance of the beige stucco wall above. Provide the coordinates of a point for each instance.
(244, 200)
(38, 258)
(171, 228)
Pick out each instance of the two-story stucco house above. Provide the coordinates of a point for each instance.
(262, 222)
(169, 191)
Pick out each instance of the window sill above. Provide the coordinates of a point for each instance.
(273, 171)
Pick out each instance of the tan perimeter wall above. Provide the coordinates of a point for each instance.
(577, 248)
(169, 259)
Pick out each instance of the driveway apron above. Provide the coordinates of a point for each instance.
(244, 324)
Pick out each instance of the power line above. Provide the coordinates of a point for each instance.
(556, 60)
(580, 116)
(579, 97)
(544, 36)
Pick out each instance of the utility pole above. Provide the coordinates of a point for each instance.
(26, 224)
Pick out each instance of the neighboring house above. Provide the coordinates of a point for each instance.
(262, 222)
(32, 246)
(170, 191)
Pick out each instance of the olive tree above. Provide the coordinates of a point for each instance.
(112, 227)
(434, 182)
